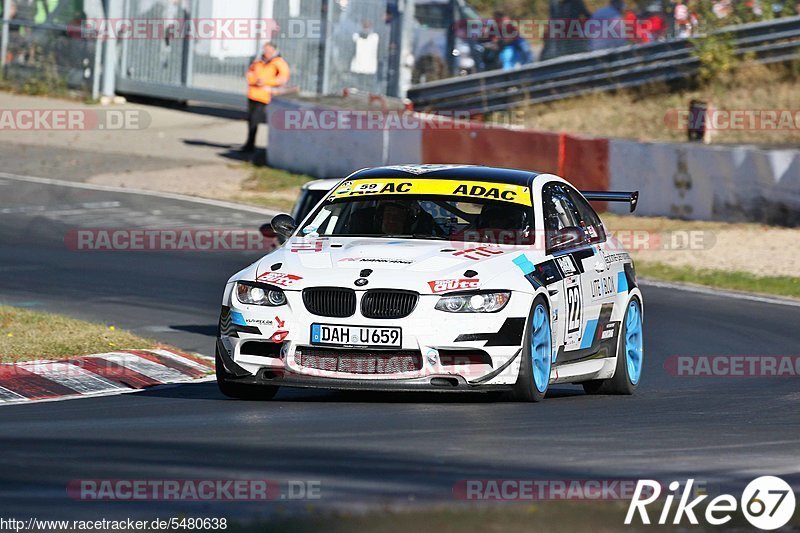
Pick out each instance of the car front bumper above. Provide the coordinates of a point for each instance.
(283, 377)
(445, 346)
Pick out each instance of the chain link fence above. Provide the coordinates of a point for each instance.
(42, 49)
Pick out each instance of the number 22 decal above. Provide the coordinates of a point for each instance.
(574, 308)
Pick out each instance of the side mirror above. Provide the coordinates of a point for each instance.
(566, 238)
(267, 232)
(283, 226)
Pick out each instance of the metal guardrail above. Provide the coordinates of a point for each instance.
(603, 70)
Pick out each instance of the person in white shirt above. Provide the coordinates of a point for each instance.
(365, 60)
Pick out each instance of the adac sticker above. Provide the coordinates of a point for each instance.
(502, 192)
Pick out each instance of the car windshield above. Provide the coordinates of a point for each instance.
(310, 198)
(440, 218)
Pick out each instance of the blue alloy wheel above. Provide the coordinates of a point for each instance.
(541, 348)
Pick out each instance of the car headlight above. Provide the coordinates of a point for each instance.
(258, 294)
(481, 302)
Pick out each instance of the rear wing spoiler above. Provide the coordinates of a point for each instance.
(631, 197)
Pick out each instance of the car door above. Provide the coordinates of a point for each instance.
(572, 255)
(606, 278)
(560, 215)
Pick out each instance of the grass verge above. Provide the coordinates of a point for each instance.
(29, 335)
(650, 113)
(739, 281)
(271, 187)
(616, 222)
(733, 256)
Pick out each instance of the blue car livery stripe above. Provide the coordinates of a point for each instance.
(622, 282)
(524, 264)
(237, 318)
(588, 335)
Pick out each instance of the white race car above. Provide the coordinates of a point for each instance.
(437, 278)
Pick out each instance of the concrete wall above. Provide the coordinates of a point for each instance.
(324, 153)
(709, 182)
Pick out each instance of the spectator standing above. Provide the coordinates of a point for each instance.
(514, 49)
(565, 12)
(12, 11)
(364, 63)
(648, 25)
(685, 20)
(491, 43)
(633, 33)
(265, 73)
(655, 23)
(611, 22)
(722, 8)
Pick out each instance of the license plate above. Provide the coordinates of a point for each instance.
(370, 336)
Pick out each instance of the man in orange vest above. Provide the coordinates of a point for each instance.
(265, 72)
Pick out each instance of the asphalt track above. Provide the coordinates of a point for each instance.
(362, 448)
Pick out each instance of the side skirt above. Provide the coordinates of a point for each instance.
(585, 370)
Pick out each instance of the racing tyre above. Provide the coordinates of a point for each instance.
(241, 391)
(630, 355)
(537, 356)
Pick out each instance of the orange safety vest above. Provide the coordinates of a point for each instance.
(272, 73)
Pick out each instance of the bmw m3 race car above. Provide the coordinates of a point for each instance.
(437, 278)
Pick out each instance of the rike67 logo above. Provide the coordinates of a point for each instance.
(767, 502)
